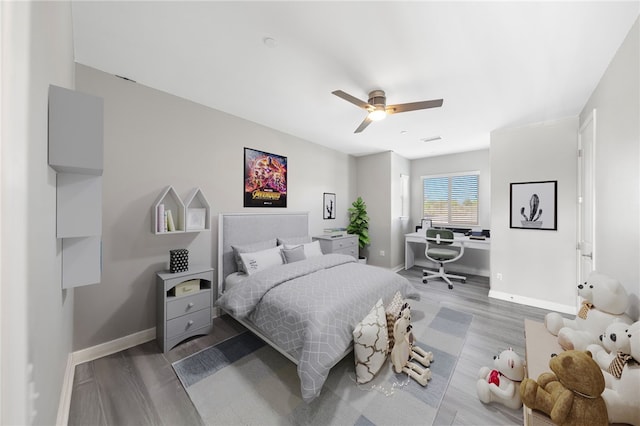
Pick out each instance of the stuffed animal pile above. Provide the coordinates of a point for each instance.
(502, 383)
(622, 382)
(571, 394)
(604, 300)
(404, 351)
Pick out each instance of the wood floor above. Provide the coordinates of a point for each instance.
(139, 387)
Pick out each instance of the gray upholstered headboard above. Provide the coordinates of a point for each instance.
(246, 228)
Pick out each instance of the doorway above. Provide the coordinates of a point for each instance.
(586, 198)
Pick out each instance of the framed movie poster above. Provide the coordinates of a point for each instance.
(534, 205)
(265, 179)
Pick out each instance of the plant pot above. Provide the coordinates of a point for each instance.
(362, 260)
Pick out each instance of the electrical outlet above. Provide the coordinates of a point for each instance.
(382, 253)
(499, 276)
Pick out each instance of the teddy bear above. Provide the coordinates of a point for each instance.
(616, 350)
(501, 383)
(571, 394)
(621, 395)
(604, 300)
(406, 356)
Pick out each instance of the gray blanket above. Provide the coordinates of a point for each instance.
(310, 308)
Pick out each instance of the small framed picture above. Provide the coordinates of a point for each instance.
(196, 218)
(534, 205)
(329, 205)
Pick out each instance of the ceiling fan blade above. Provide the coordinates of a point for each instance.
(347, 97)
(364, 124)
(412, 106)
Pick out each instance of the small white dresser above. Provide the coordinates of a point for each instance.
(182, 316)
(346, 244)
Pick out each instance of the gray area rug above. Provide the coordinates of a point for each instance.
(243, 381)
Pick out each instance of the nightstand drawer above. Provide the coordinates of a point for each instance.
(352, 250)
(178, 306)
(343, 243)
(188, 322)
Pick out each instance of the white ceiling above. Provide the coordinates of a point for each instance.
(496, 64)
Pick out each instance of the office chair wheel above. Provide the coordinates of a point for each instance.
(450, 287)
(424, 281)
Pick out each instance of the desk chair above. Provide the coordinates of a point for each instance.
(438, 250)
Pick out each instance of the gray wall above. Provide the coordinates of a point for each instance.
(37, 51)
(378, 184)
(617, 103)
(537, 267)
(152, 140)
(399, 227)
(473, 261)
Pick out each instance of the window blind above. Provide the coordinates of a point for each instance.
(451, 199)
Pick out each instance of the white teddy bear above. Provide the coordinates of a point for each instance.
(621, 395)
(616, 349)
(502, 384)
(604, 300)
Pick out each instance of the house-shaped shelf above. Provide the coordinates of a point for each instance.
(197, 212)
(168, 205)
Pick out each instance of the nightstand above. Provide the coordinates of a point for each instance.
(184, 305)
(345, 244)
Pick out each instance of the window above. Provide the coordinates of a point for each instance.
(451, 199)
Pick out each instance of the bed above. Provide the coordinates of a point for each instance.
(306, 308)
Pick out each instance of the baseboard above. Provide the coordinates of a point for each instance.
(117, 345)
(65, 394)
(89, 354)
(537, 303)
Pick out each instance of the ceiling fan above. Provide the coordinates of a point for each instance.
(378, 108)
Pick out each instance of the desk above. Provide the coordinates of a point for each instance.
(411, 241)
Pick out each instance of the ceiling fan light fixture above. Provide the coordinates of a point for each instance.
(377, 114)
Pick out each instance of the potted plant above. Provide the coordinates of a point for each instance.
(359, 224)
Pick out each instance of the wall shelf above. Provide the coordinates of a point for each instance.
(197, 213)
(192, 216)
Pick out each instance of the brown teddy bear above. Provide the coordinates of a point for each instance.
(571, 393)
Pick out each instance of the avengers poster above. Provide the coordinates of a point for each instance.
(265, 179)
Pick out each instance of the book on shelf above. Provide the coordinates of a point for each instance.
(160, 225)
(170, 225)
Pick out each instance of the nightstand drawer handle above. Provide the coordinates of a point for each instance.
(190, 305)
(190, 323)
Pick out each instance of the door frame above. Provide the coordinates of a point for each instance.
(590, 120)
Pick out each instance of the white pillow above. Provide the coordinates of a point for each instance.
(370, 343)
(311, 249)
(250, 248)
(261, 260)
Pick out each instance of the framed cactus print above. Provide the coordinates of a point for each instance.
(534, 205)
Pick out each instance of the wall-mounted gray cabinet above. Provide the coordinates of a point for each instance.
(76, 153)
(75, 131)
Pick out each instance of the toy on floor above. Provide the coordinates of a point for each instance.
(502, 383)
(616, 351)
(571, 394)
(404, 351)
(621, 395)
(604, 300)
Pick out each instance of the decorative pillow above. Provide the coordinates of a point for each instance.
(249, 248)
(370, 343)
(261, 260)
(294, 240)
(392, 311)
(294, 254)
(311, 249)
